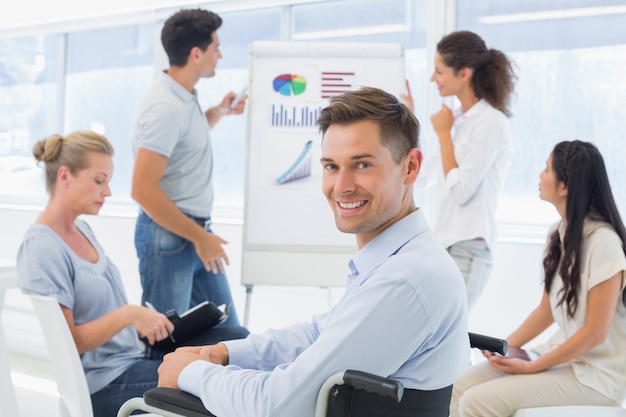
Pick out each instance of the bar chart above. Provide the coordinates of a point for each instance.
(283, 115)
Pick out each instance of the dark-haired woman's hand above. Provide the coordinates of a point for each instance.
(512, 365)
(442, 121)
(408, 97)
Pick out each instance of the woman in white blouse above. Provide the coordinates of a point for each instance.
(583, 363)
(475, 151)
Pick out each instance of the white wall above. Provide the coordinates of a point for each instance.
(513, 290)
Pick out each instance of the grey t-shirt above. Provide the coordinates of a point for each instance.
(171, 123)
(47, 266)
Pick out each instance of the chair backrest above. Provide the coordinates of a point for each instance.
(68, 370)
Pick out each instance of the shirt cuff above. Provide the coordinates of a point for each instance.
(192, 375)
(453, 178)
(240, 352)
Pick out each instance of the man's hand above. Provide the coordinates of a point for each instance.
(211, 253)
(174, 363)
(215, 113)
(227, 104)
(218, 354)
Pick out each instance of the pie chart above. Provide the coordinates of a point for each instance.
(289, 84)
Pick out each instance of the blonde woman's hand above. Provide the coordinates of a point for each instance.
(150, 324)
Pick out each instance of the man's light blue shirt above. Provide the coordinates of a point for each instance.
(403, 315)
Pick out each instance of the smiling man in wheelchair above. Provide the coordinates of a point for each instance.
(403, 314)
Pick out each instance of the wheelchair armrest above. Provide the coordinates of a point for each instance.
(176, 401)
(374, 384)
(358, 379)
(491, 344)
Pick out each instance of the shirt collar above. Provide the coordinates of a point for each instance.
(474, 110)
(387, 243)
(177, 88)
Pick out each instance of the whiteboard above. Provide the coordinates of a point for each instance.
(289, 234)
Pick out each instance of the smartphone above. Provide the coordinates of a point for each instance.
(514, 352)
(239, 97)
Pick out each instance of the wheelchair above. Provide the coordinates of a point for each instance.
(346, 394)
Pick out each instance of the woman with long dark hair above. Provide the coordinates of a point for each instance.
(583, 362)
(475, 148)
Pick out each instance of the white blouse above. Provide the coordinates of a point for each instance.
(467, 197)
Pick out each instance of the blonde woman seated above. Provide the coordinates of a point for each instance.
(584, 363)
(60, 257)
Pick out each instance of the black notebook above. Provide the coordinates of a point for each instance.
(193, 321)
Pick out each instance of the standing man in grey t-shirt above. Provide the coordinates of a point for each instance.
(181, 261)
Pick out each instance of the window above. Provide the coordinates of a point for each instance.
(570, 57)
(28, 111)
(228, 137)
(108, 73)
(353, 21)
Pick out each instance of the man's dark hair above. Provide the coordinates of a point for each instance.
(399, 128)
(187, 29)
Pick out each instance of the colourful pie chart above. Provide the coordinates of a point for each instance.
(289, 84)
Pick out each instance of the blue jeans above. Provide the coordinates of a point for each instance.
(142, 375)
(474, 259)
(172, 275)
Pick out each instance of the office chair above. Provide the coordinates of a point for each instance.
(349, 393)
(74, 398)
